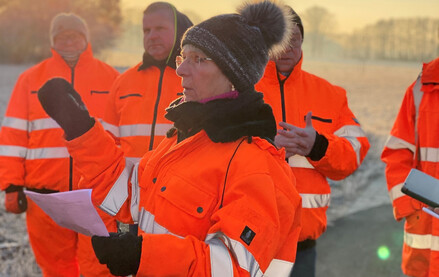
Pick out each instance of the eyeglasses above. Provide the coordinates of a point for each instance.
(192, 59)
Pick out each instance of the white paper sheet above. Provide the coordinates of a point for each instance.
(430, 212)
(72, 209)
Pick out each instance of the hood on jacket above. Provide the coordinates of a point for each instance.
(182, 24)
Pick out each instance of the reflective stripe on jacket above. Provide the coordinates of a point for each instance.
(136, 108)
(402, 153)
(291, 99)
(32, 148)
(207, 219)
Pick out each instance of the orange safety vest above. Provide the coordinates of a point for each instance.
(32, 148)
(414, 143)
(205, 208)
(136, 109)
(291, 99)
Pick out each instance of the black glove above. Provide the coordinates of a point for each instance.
(15, 199)
(62, 103)
(120, 252)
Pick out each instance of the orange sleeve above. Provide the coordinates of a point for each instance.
(347, 146)
(398, 154)
(14, 136)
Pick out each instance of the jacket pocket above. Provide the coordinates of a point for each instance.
(186, 197)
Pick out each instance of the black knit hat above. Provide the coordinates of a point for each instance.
(296, 20)
(240, 44)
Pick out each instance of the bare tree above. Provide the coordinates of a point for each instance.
(319, 24)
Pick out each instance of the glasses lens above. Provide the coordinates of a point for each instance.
(178, 60)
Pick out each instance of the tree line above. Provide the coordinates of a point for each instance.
(24, 32)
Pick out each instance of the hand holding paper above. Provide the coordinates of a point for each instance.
(72, 209)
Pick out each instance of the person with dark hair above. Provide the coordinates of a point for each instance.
(216, 197)
(320, 134)
(33, 155)
(413, 143)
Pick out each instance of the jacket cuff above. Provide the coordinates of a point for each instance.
(13, 188)
(405, 206)
(319, 148)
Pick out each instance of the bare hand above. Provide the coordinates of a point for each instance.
(297, 141)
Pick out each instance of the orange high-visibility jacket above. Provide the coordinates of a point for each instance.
(32, 148)
(291, 100)
(135, 112)
(198, 215)
(402, 153)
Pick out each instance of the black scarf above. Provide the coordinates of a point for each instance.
(224, 120)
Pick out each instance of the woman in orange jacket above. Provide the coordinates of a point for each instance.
(216, 197)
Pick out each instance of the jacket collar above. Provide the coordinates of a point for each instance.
(271, 73)
(430, 72)
(85, 55)
(224, 120)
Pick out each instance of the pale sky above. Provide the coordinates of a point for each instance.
(349, 14)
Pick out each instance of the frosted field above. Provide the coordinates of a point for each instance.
(375, 91)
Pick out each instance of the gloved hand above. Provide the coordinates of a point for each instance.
(62, 103)
(120, 252)
(15, 199)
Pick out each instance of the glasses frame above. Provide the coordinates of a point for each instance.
(194, 60)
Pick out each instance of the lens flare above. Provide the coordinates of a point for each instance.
(383, 252)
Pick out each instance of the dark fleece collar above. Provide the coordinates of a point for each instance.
(183, 23)
(224, 120)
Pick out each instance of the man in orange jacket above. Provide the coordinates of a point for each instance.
(33, 154)
(135, 112)
(320, 134)
(414, 143)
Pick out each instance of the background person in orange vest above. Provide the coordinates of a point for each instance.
(135, 113)
(320, 134)
(215, 198)
(33, 153)
(414, 143)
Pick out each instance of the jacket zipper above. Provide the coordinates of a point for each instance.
(156, 106)
(282, 95)
(72, 81)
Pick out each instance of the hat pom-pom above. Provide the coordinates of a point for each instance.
(274, 22)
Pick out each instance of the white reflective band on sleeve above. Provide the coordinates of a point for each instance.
(245, 258)
(133, 160)
(16, 123)
(143, 130)
(311, 201)
(118, 193)
(279, 268)
(135, 194)
(397, 143)
(429, 154)
(220, 262)
(422, 241)
(43, 124)
(111, 128)
(13, 151)
(356, 145)
(395, 192)
(299, 161)
(350, 131)
(148, 225)
(47, 153)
